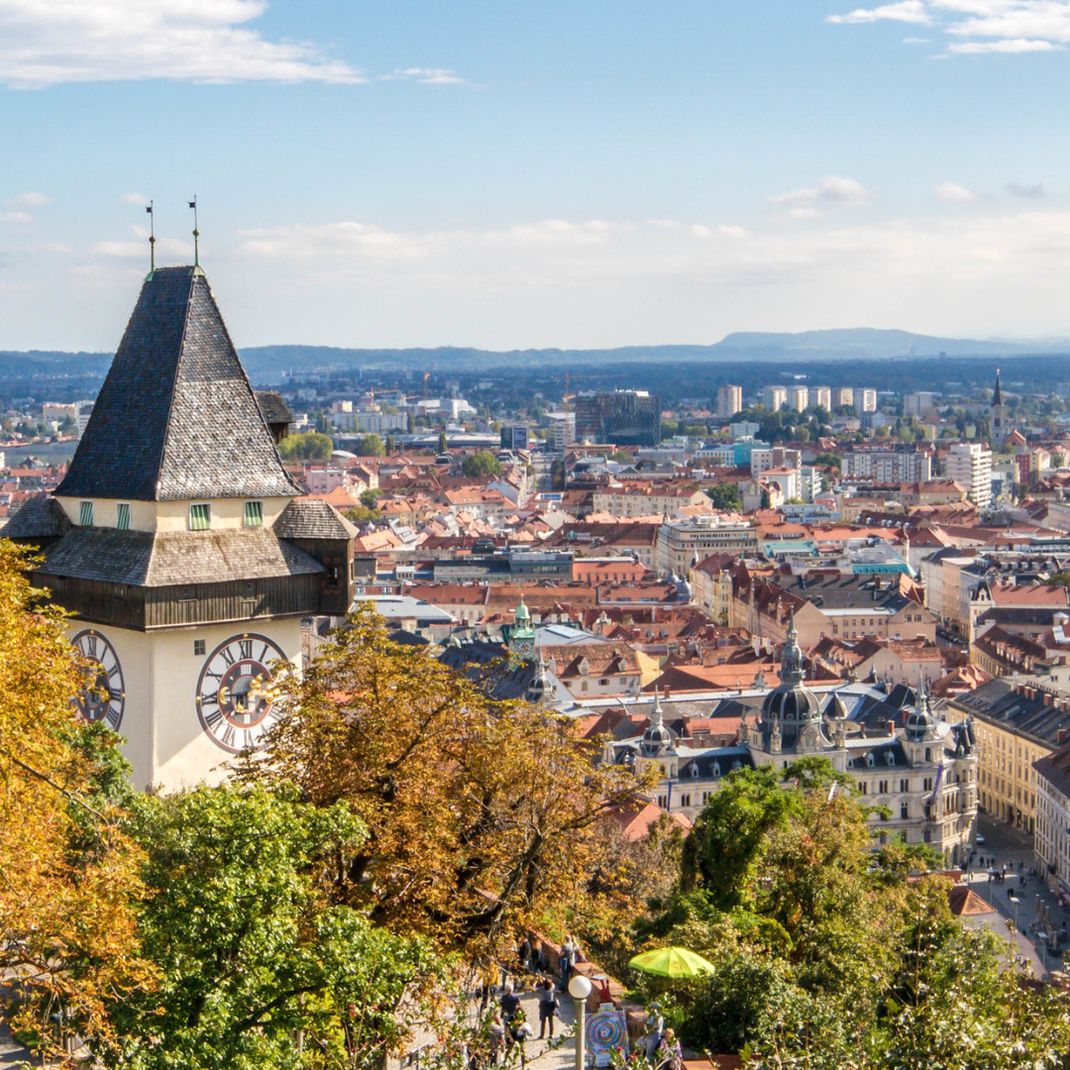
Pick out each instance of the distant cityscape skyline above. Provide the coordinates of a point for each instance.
(539, 175)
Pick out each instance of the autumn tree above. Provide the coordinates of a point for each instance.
(480, 813)
(254, 963)
(70, 874)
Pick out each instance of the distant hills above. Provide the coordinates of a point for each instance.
(861, 343)
(273, 363)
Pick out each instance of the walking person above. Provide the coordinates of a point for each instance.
(568, 951)
(521, 1031)
(548, 1005)
(510, 1004)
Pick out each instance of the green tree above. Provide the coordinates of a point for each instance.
(410, 423)
(726, 496)
(248, 950)
(481, 465)
(369, 498)
(442, 445)
(832, 460)
(361, 514)
(391, 445)
(370, 446)
(307, 446)
(731, 834)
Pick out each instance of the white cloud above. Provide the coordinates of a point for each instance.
(980, 27)
(730, 231)
(917, 40)
(976, 48)
(44, 42)
(904, 11)
(15, 217)
(831, 190)
(952, 191)
(138, 249)
(425, 76)
(138, 199)
(29, 200)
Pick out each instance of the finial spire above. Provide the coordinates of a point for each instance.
(656, 715)
(196, 234)
(152, 239)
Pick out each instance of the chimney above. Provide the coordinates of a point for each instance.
(1060, 736)
(1047, 698)
(668, 693)
(891, 728)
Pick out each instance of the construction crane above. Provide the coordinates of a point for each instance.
(427, 375)
(567, 396)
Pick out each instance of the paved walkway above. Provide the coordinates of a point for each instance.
(1008, 846)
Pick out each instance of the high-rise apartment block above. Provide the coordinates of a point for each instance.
(821, 397)
(798, 398)
(842, 395)
(729, 400)
(892, 464)
(622, 417)
(774, 398)
(869, 400)
(970, 465)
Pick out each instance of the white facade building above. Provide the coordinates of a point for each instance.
(970, 465)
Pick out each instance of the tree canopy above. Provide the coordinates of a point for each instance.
(479, 813)
(481, 465)
(307, 446)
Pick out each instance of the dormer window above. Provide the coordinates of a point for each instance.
(85, 514)
(122, 516)
(254, 514)
(200, 516)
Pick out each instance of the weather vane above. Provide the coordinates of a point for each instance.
(152, 238)
(196, 234)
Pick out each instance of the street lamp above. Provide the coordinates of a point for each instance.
(579, 988)
(1011, 897)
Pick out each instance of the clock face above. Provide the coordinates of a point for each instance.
(103, 698)
(234, 701)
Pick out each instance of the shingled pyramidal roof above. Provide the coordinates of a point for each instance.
(176, 418)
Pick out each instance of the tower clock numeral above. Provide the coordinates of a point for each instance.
(234, 704)
(103, 695)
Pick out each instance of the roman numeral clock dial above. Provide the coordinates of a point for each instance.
(234, 700)
(103, 698)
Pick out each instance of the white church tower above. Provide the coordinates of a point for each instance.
(178, 543)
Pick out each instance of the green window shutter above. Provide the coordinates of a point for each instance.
(85, 514)
(200, 517)
(254, 514)
(122, 516)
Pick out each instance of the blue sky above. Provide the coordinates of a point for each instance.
(535, 173)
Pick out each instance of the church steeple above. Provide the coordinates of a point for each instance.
(998, 421)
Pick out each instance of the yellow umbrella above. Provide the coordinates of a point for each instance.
(672, 962)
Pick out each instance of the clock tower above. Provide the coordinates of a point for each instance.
(181, 546)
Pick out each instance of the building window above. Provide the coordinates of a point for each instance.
(254, 514)
(200, 516)
(122, 516)
(904, 811)
(198, 648)
(85, 514)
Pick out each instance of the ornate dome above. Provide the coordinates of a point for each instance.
(921, 725)
(791, 709)
(657, 737)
